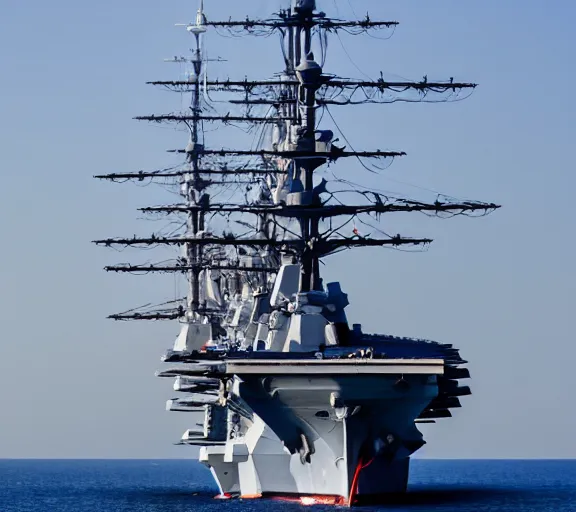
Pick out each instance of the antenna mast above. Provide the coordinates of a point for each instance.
(196, 218)
(295, 219)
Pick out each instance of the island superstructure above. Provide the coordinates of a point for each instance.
(296, 403)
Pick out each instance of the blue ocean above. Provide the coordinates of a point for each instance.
(183, 486)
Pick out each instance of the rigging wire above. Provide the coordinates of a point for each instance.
(368, 32)
(348, 142)
(400, 182)
(351, 59)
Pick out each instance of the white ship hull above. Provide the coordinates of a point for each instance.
(324, 439)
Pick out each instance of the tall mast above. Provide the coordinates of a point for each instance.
(190, 181)
(298, 149)
(309, 74)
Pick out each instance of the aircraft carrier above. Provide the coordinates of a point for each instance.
(288, 399)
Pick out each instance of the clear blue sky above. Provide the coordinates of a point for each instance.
(501, 288)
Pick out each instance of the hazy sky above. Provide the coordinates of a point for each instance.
(501, 288)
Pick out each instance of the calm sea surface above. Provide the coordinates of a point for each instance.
(178, 486)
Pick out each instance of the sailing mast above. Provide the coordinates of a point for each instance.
(195, 178)
(298, 149)
(196, 219)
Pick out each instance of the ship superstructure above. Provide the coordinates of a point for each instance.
(296, 403)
